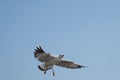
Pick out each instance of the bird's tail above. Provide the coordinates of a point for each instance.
(42, 69)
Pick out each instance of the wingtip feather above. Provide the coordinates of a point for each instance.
(80, 66)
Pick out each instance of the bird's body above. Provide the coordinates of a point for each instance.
(52, 62)
(49, 61)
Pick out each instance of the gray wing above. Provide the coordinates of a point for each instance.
(41, 55)
(69, 64)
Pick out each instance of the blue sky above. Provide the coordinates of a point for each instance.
(87, 32)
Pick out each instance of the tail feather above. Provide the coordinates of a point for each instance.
(40, 68)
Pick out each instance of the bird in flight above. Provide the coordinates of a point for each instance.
(49, 61)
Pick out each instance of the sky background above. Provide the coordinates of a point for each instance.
(86, 31)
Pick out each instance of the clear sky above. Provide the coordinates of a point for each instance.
(86, 31)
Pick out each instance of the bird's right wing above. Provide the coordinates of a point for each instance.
(69, 64)
(41, 55)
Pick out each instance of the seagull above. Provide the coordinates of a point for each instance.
(49, 61)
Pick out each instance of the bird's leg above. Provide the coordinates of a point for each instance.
(53, 71)
(45, 70)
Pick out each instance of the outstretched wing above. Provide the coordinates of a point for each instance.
(41, 55)
(69, 64)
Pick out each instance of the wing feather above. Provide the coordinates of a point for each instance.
(41, 55)
(69, 64)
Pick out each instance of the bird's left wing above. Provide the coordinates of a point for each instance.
(69, 64)
(41, 55)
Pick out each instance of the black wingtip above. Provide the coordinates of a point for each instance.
(39, 50)
(80, 66)
(40, 47)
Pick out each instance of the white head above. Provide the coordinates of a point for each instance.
(61, 56)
